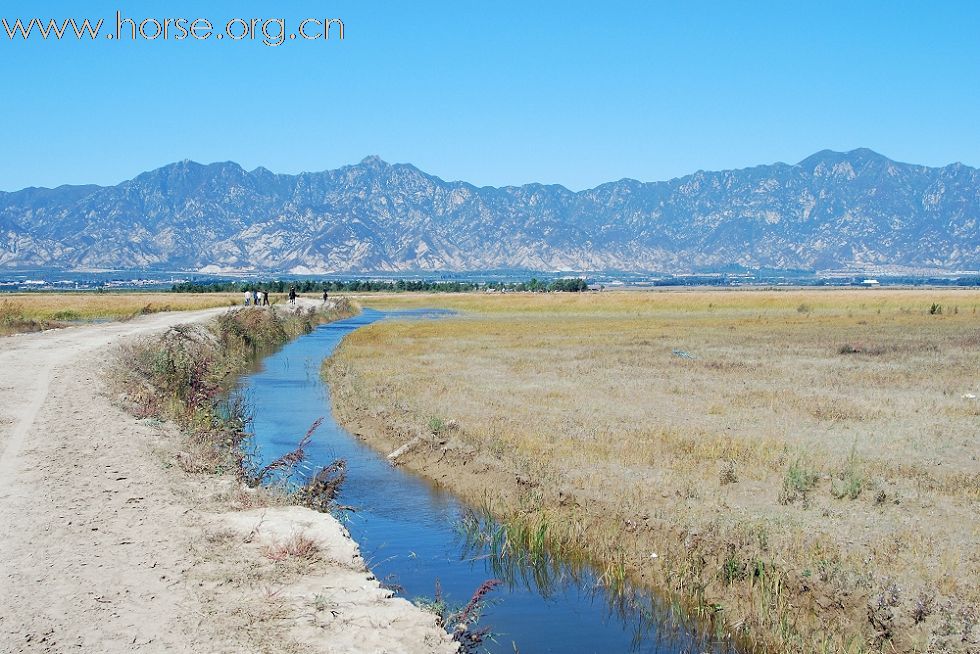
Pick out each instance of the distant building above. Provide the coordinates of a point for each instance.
(870, 283)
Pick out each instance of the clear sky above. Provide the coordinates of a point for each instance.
(501, 92)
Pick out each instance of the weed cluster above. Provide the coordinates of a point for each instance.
(462, 622)
(180, 376)
(184, 376)
(850, 482)
(800, 479)
(728, 474)
(298, 546)
(437, 425)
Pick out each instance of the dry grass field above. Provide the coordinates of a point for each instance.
(27, 312)
(802, 464)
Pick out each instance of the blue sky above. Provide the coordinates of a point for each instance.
(498, 92)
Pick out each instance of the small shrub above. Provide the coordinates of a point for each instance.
(936, 309)
(437, 425)
(881, 612)
(799, 481)
(732, 569)
(320, 492)
(922, 608)
(462, 623)
(850, 481)
(728, 474)
(437, 605)
(299, 546)
(871, 350)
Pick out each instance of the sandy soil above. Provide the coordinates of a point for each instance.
(108, 547)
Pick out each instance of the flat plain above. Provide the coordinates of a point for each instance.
(29, 312)
(797, 467)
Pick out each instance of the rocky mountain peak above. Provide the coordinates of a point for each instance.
(832, 210)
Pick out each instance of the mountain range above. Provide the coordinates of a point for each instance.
(832, 210)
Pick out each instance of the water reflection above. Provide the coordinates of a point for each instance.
(655, 625)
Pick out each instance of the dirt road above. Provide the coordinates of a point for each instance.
(106, 548)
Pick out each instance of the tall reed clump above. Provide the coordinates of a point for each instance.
(184, 374)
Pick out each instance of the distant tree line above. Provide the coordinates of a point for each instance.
(534, 285)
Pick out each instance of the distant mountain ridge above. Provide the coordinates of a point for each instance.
(855, 209)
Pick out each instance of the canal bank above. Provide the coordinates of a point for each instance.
(430, 546)
(255, 571)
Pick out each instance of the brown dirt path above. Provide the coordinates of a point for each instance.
(88, 549)
(102, 547)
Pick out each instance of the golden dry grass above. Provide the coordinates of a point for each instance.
(34, 311)
(862, 394)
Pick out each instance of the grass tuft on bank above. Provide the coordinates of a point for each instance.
(184, 374)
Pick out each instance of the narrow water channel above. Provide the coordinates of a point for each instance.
(409, 531)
